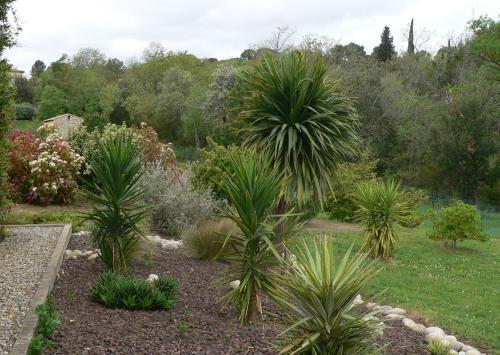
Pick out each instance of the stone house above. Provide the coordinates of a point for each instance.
(64, 123)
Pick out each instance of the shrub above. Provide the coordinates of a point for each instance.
(436, 347)
(45, 217)
(24, 111)
(116, 194)
(177, 207)
(116, 290)
(381, 205)
(22, 151)
(208, 241)
(346, 180)
(252, 192)
(213, 167)
(457, 222)
(318, 296)
(42, 170)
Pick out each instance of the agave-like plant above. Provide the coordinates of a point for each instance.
(297, 117)
(252, 192)
(117, 197)
(320, 303)
(380, 206)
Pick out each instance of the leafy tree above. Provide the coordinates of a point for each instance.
(385, 50)
(298, 118)
(37, 68)
(346, 53)
(216, 104)
(24, 111)
(25, 92)
(485, 42)
(52, 102)
(457, 222)
(248, 54)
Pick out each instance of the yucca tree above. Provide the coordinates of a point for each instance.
(319, 302)
(117, 196)
(296, 116)
(252, 191)
(380, 206)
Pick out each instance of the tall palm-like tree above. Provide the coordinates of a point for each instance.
(297, 117)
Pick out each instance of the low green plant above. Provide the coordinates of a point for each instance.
(457, 222)
(46, 326)
(117, 290)
(252, 192)
(319, 292)
(436, 347)
(380, 207)
(182, 327)
(117, 196)
(148, 260)
(208, 242)
(46, 217)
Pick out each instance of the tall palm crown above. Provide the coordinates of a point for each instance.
(296, 115)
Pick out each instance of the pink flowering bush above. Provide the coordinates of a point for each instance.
(42, 170)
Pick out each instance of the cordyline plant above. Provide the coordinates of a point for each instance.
(380, 206)
(252, 192)
(117, 196)
(297, 117)
(319, 302)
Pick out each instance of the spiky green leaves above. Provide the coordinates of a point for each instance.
(298, 118)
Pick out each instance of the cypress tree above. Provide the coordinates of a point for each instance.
(385, 51)
(411, 45)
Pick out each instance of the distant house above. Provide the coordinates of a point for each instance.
(64, 123)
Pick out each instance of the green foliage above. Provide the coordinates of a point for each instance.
(46, 326)
(116, 290)
(24, 111)
(208, 241)
(213, 167)
(52, 102)
(436, 347)
(340, 205)
(117, 195)
(45, 217)
(458, 222)
(252, 192)
(385, 51)
(298, 118)
(318, 303)
(381, 206)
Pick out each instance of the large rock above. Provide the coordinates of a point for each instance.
(235, 284)
(453, 352)
(410, 324)
(399, 311)
(455, 344)
(473, 352)
(430, 330)
(435, 336)
(393, 316)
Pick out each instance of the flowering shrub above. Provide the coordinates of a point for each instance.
(85, 142)
(22, 151)
(177, 206)
(42, 170)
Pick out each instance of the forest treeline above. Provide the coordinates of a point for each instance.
(432, 121)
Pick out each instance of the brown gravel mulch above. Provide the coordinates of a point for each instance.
(88, 328)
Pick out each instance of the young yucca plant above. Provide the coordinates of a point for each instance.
(252, 192)
(318, 303)
(380, 206)
(297, 117)
(117, 196)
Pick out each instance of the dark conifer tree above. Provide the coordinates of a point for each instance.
(385, 51)
(411, 45)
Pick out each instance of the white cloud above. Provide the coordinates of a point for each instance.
(222, 28)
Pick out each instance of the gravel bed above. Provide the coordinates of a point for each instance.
(24, 256)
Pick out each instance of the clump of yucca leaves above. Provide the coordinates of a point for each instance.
(117, 290)
(318, 295)
(117, 196)
(380, 206)
(252, 192)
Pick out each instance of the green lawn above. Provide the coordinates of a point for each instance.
(26, 125)
(457, 289)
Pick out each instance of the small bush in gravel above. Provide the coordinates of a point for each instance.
(116, 290)
(458, 222)
(177, 206)
(207, 242)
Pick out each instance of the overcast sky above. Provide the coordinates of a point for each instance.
(224, 28)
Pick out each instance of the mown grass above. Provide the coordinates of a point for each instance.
(456, 289)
